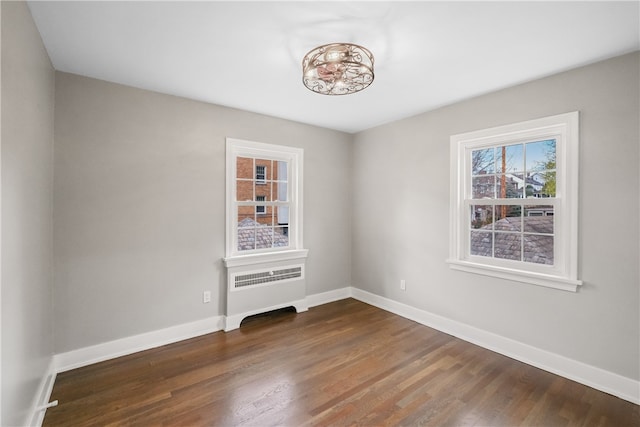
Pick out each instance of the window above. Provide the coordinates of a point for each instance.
(514, 202)
(264, 200)
(261, 209)
(261, 174)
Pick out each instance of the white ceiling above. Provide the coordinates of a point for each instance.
(248, 55)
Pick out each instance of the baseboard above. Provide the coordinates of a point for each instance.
(329, 296)
(600, 379)
(43, 395)
(129, 345)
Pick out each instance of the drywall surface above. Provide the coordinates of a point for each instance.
(139, 211)
(27, 191)
(407, 236)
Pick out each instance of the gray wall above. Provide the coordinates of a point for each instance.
(406, 236)
(27, 175)
(139, 212)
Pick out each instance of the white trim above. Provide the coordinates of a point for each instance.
(43, 395)
(124, 346)
(295, 160)
(268, 257)
(329, 296)
(600, 379)
(533, 278)
(564, 128)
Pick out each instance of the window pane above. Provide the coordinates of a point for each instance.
(482, 161)
(538, 249)
(280, 237)
(510, 158)
(481, 243)
(482, 217)
(509, 186)
(263, 171)
(246, 217)
(264, 237)
(483, 187)
(246, 238)
(280, 170)
(508, 217)
(267, 218)
(244, 191)
(281, 215)
(244, 167)
(534, 184)
(549, 184)
(280, 191)
(508, 246)
(538, 219)
(263, 190)
(541, 155)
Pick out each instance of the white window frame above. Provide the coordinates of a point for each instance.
(564, 128)
(294, 157)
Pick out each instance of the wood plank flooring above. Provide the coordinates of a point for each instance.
(341, 364)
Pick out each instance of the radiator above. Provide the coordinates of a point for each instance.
(254, 289)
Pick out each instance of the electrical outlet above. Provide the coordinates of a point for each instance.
(403, 285)
(206, 297)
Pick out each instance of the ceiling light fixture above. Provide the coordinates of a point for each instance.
(337, 69)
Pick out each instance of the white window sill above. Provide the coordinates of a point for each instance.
(539, 279)
(242, 260)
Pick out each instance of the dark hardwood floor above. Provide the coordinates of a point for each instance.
(341, 364)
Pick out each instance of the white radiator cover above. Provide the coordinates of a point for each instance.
(243, 281)
(258, 287)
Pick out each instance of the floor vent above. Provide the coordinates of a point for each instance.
(245, 280)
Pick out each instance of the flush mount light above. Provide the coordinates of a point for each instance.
(337, 69)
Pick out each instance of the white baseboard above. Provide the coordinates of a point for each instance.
(329, 296)
(600, 379)
(43, 395)
(124, 346)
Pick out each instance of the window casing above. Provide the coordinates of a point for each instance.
(264, 199)
(514, 202)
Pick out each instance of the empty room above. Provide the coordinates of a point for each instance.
(320, 213)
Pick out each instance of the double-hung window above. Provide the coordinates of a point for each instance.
(514, 201)
(264, 198)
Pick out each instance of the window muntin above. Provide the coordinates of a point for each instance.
(263, 211)
(514, 201)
